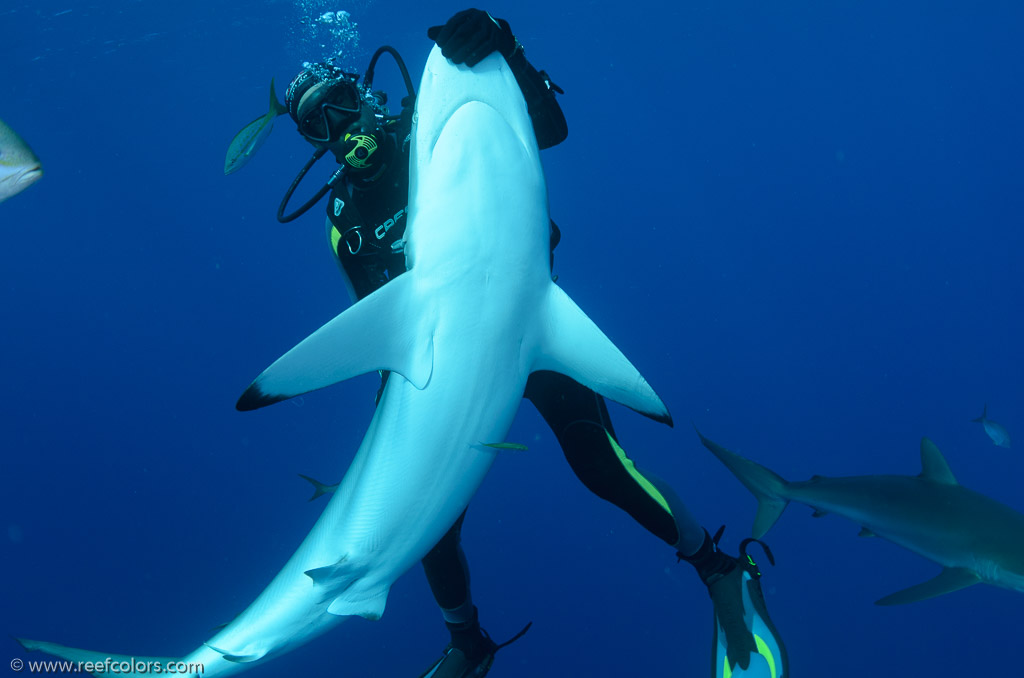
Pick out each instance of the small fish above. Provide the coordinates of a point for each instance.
(507, 446)
(19, 166)
(320, 489)
(252, 136)
(995, 431)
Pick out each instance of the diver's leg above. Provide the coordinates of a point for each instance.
(471, 650)
(448, 575)
(580, 421)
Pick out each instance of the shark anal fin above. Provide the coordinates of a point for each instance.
(379, 332)
(571, 344)
(949, 580)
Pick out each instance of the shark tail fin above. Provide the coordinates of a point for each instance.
(983, 417)
(103, 661)
(768, 487)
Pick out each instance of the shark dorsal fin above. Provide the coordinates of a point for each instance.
(933, 464)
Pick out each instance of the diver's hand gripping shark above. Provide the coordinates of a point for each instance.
(475, 314)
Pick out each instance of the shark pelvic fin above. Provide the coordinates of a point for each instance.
(380, 332)
(949, 580)
(371, 608)
(574, 346)
(934, 466)
(766, 485)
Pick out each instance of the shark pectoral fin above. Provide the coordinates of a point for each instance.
(949, 580)
(865, 532)
(99, 659)
(573, 345)
(383, 331)
(818, 513)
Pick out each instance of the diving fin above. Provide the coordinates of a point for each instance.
(759, 653)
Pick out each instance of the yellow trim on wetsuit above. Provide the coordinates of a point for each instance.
(335, 239)
(630, 467)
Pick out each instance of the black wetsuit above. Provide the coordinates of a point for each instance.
(366, 221)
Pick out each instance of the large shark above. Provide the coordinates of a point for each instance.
(462, 330)
(974, 538)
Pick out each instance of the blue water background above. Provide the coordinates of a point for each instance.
(801, 220)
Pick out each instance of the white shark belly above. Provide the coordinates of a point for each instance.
(410, 480)
(423, 460)
(460, 331)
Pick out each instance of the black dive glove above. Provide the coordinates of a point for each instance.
(471, 35)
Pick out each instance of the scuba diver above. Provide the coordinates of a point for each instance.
(366, 220)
